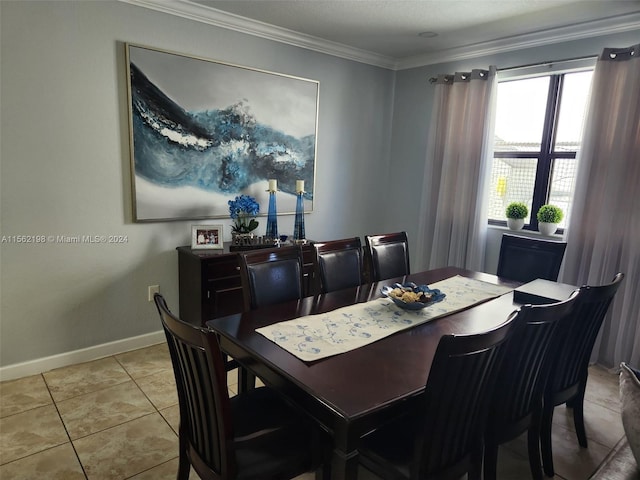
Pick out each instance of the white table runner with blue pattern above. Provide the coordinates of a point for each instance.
(325, 334)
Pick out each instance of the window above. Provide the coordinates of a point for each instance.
(537, 136)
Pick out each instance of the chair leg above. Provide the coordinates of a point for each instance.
(545, 440)
(475, 470)
(578, 416)
(490, 461)
(321, 455)
(246, 380)
(184, 466)
(533, 444)
(323, 472)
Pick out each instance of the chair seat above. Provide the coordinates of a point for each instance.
(390, 449)
(286, 450)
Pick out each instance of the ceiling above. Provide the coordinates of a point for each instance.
(386, 32)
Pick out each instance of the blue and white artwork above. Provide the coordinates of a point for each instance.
(203, 132)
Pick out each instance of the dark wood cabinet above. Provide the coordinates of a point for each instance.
(209, 282)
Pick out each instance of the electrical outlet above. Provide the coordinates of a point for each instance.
(153, 289)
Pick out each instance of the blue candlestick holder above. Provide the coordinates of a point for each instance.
(272, 218)
(298, 226)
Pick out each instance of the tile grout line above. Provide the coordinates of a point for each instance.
(64, 425)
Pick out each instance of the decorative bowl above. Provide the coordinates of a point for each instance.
(429, 296)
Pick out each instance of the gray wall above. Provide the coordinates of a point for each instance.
(65, 166)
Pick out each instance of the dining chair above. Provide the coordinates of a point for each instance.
(516, 405)
(338, 264)
(270, 276)
(568, 379)
(524, 259)
(442, 437)
(387, 255)
(253, 435)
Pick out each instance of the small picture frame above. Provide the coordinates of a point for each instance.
(206, 236)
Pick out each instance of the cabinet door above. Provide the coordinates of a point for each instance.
(223, 287)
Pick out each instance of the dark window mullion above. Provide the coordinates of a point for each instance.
(543, 173)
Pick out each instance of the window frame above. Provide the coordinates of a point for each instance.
(547, 153)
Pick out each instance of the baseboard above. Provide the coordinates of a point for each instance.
(40, 365)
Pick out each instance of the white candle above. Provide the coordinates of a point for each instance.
(273, 185)
(299, 186)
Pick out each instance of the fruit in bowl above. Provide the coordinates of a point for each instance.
(411, 296)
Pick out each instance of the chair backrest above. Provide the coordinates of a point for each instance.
(526, 367)
(205, 411)
(387, 255)
(571, 362)
(455, 407)
(338, 264)
(525, 259)
(271, 276)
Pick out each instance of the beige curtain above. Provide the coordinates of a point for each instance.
(460, 146)
(604, 227)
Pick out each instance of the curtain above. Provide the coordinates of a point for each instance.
(604, 227)
(453, 229)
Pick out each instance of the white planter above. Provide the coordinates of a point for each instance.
(547, 228)
(515, 223)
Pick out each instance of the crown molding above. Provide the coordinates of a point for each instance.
(196, 12)
(218, 18)
(596, 28)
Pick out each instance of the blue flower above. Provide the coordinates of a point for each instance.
(242, 209)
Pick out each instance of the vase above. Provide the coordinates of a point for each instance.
(547, 228)
(515, 223)
(298, 226)
(272, 218)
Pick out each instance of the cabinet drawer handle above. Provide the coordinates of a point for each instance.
(238, 268)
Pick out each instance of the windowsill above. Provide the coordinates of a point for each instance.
(526, 233)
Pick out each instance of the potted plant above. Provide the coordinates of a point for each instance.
(243, 209)
(548, 218)
(516, 212)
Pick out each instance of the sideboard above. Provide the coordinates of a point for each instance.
(209, 282)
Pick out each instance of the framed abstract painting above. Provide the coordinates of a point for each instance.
(203, 132)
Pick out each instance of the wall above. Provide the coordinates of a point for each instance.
(412, 115)
(65, 168)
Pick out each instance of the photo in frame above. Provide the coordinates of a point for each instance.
(206, 236)
(203, 132)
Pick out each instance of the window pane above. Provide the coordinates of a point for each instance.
(563, 176)
(520, 113)
(575, 93)
(512, 180)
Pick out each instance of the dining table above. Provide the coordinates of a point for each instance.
(352, 393)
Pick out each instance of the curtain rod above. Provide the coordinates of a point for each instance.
(537, 64)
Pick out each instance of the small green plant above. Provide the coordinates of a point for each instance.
(549, 214)
(516, 210)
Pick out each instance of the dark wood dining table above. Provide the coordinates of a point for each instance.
(352, 393)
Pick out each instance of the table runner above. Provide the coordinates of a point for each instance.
(325, 334)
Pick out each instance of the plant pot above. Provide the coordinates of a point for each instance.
(515, 223)
(547, 228)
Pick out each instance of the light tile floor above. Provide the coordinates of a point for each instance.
(116, 418)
